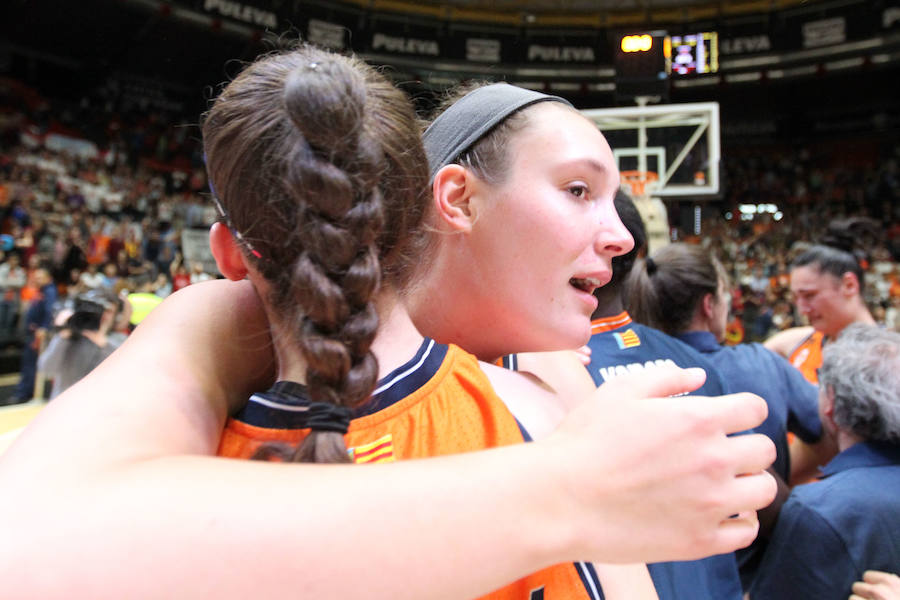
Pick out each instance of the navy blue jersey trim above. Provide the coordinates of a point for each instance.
(283, 406)
(590, 580)
(510, 361)
(526, 437)
(406, 379)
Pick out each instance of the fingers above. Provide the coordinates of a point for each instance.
(653, 383)
(756, 452)
(888, 579)
(865, 591)
(877, 585)
(753, 492)
(584, 355)
(736, 532)
(736, 412)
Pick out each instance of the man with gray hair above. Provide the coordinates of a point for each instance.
(831, 531)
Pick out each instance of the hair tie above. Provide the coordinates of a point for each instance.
(471, 117)
(324, 416)
(650, 265)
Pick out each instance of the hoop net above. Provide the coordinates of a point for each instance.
(640, 182)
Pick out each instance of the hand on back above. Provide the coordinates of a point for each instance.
(657, 475)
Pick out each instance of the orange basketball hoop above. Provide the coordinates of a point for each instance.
(638, 180)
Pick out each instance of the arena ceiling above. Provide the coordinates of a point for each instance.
(584, 12)
(582, 6)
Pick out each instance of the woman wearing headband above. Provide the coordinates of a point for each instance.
(638, 486)
(523, 188)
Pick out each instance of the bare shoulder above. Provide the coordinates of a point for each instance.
(784, 342)
(563, 371)
(530, 400)
(209, 299)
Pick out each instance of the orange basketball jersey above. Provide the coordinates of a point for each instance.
(440, 402)
(807, 357)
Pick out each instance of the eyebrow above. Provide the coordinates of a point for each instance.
(585, 162)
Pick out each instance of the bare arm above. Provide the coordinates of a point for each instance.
(768, 515)
(116, 467)
(50, 360)
(197, 526)
(784, 342)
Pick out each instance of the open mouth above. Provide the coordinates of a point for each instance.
(588, 284)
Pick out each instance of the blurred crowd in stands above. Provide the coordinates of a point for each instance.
(101, 199)
(104, 207)
(806, 194)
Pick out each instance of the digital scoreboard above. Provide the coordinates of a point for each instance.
(695, 53)
(641, 65)
(645, 61)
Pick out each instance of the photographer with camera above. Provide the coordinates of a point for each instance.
(82, 342)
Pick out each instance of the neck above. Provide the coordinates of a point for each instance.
(97, 337)
(395, 343)
(862, 314)
(609, 302)
(859, 314)
(698, 323)
(444, 306)
(845, 439)
(397, 339)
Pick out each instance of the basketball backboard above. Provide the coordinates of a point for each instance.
(679, 143)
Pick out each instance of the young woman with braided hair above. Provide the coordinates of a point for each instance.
(300, 148)
(432, 399)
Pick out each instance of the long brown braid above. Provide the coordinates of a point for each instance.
(318, 164)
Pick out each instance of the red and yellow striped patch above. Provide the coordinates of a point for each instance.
(379, 451)
(628, 339)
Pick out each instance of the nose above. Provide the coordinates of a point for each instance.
(613, 238)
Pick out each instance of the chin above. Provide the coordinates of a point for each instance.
(572, 337)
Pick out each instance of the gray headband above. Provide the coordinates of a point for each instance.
(471, 117)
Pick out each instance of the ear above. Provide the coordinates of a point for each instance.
(708, 305)
(826, 408)
(453, 188)
(225, 250)
(849, 284)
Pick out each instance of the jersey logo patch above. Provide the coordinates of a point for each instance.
(627, 339)
(379, 451)
(800, 358)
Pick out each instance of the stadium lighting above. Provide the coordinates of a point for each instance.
(637, 43)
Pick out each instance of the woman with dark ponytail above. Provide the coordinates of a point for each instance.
(687, 294)
(828, 284)
(684, 290)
